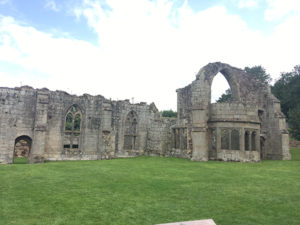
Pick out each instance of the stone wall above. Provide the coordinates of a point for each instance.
(41, 115)
(60, 126)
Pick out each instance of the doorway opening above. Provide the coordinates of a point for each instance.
(22, 149)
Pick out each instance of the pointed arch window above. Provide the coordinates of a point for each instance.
(73, 121)
(130, 131)
(72, 130)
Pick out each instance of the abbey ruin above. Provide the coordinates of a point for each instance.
(54, 125)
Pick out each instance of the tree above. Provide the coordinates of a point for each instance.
(294, 122)
(225, 97)
(258, 72)
(287, 90)
(168, 113)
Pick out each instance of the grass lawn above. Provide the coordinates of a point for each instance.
(150, 190)
(22, 160)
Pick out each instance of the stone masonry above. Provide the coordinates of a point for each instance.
(54, 125)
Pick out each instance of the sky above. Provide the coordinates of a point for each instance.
(142, 50)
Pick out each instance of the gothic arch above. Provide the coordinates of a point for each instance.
(208, 73)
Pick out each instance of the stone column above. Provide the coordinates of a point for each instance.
(218, 141)
(250, 140)
(106, 131)
(229, 141)
(40, 127)
(285, 146)
(242, 139)
(199, 134)
(257, 141)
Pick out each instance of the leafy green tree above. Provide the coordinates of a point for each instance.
(258, 72)
(225, 97)
(168, 113)
(294, 122)
(287, 90)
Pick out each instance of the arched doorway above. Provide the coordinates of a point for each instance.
(22, 149)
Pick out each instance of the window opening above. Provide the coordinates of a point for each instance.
(72, 129)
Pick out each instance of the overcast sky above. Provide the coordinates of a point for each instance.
(141, 49)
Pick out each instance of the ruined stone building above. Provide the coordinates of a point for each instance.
(54, 125)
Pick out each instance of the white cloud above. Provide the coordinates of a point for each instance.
(51, 4)
(248, 3)
(3, 2)
(146, 50)
(277, 9)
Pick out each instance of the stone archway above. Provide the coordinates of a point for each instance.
(22, 148)
(207, 74)
(201, 102)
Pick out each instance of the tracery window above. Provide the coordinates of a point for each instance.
(73, 120)
(72, 129)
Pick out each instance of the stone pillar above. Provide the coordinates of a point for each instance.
(199, 134)
(40, 127)
(257, 141)
(229, 141)
(105, 136)
(250, 140)
(218, 141)
(285, 146)
(242, 139)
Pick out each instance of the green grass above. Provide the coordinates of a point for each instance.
(150, 190)
(21, 160)
(295, 154)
